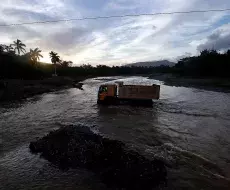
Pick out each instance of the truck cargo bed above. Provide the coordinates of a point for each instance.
(139, 92)
(128, 94)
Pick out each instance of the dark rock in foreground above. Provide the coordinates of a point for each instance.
(116, 165)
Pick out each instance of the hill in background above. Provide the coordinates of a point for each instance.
(152, 63)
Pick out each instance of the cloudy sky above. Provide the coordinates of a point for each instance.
(117, 41)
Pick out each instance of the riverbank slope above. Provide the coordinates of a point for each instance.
(213, 84)
(15, 89)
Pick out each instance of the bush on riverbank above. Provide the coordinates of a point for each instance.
(77, 146)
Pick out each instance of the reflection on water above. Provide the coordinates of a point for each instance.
(188, 128)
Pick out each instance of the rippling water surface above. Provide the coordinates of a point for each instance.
(187, 128)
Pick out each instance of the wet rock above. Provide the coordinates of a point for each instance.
(78, 85)
(116, 165)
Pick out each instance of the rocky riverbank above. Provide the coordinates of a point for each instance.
(111, 160)
(214, 84)
(15, 89)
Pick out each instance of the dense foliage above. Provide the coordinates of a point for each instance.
(209, 63)
(13, 64)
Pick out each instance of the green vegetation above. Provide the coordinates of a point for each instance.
(24, 65)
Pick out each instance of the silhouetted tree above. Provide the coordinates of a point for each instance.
(209, 63)
(8, 49)
(204, 52)
(86, 66)
(35, 55)
(55, 58)
(66, 63)
(1, 48)
(19, 46)
(228, 53)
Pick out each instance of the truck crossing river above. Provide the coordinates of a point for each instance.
(118, 93)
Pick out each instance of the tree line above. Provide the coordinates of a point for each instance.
(15, 62)
(210, 63)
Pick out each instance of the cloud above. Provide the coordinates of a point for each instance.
(219, 40)
(67, 38)
(117, 40)
(27, 15)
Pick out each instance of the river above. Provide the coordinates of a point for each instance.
(188, 128)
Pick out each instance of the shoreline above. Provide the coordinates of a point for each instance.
(210, 84)
(17, 89)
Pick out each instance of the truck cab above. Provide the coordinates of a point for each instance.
(107, 92)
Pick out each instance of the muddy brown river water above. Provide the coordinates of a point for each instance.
(188, 128)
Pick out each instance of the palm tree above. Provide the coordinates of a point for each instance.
(19, 46)
(55, 58)
(35, 55)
